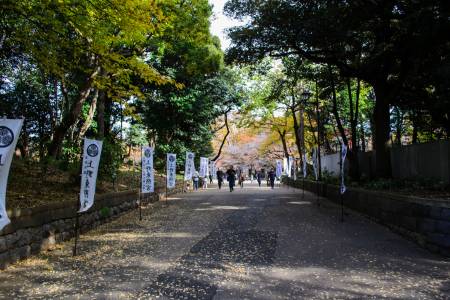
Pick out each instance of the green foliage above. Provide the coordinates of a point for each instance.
(105, 212)
(111, 159)
(136, 135)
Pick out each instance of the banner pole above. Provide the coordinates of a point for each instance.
(77, 233)
(77, 228)
(303, 187)
(139, 192)
(318, 191)
(77, 221)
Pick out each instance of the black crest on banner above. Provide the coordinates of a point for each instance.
(92, 150)
(6, 136)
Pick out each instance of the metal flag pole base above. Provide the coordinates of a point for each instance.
(342, 207)
(318, 192)
(167, 196)
(77, 233)
(140, 209)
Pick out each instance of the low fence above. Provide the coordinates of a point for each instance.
(425, 221)
(38, 229)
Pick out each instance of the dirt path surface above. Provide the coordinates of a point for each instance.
(254, 243)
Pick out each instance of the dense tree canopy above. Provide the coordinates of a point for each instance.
(94, 68)
(390, 45)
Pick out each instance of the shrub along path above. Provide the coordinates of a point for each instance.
(254, 243)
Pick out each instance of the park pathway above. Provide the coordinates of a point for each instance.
(254, 243)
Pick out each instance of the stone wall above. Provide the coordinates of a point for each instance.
(425, 221)
(37, 229)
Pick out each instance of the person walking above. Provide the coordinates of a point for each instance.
(220, 176)
(195, 179)
(241, 179)
(231, 177)
(259, 178)
(272, 177)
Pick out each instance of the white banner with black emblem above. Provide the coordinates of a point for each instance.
(290, 165)
(9, 135)
(343, 156)
(203, 167)
(285, 166)
(279, 169)
(171, 170)
(189, 167)
(91, 158)
(148, 176)
(212, 169)
(305, 166)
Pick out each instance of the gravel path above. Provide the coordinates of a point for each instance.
(254, 243)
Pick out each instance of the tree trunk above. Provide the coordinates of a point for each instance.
(283, 142)
(382, 131)
(224, 138)
(71, 117)
(87, 123)
(363, 139)
(296, 130)
(101, 116)
(335, 108)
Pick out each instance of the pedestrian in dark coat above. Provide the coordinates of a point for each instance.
(272, 177)
(231, 177)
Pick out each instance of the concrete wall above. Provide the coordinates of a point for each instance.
(427, 222)
(38, 229)
(331, 164)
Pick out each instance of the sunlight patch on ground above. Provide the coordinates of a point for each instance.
(300, 202)
(222, 207)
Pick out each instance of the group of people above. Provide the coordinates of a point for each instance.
(231, 175)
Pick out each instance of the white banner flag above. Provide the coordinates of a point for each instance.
(9, 135)
(171, 170)
(315, 164)
(290, 165)
(285, 165)
(212, 169)
(305, 166)
(203, 167)
(295, 169)
(343, 156)
(189, 166)
(91, 158)
(279, 169)
(147, 176)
